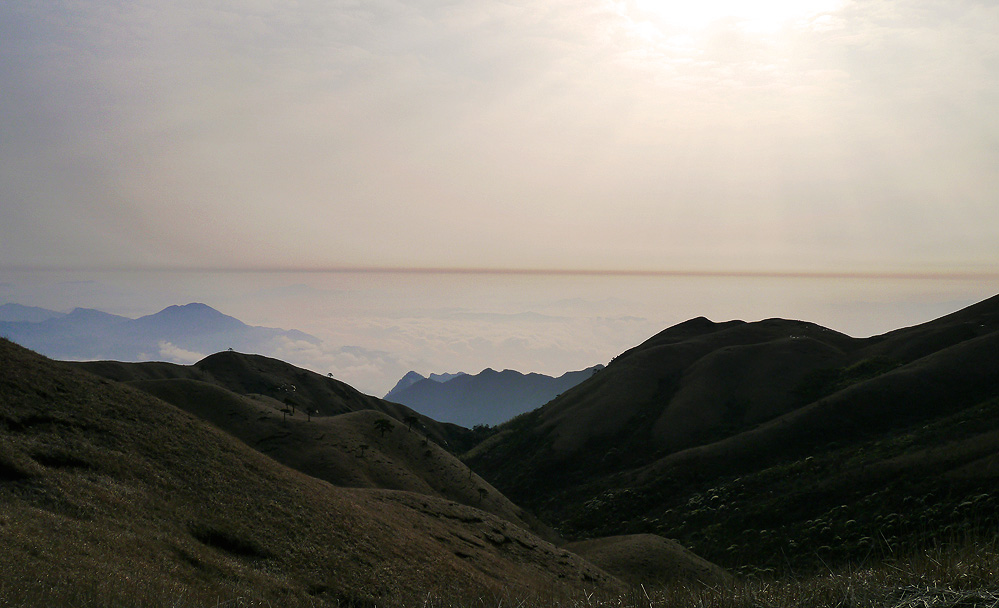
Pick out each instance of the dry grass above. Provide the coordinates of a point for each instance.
(962, 575)
(109, 497)
(648, 559)
(330, 447)
(957, 576)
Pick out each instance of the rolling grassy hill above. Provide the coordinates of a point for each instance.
(273, 381)
(340, 442)
(348, 450)
(112, 497)
(776, 444)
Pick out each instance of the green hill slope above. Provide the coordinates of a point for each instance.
(110, 496)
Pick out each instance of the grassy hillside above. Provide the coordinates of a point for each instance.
(347, 449)
(111, 497)
(770, 445)
(650, 560)
(298, 389)
(691, 384)
(363, 449)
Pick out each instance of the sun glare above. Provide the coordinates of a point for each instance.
(763, 17)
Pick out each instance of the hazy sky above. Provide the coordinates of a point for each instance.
(718, 136)
(777, 136)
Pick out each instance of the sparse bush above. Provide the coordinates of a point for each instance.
(383, 425)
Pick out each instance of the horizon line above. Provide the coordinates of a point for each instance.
(960, 275)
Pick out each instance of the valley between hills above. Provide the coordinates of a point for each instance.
(713, 457)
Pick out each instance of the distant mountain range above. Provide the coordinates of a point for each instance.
(489, 397)
(413, 377)
(179, 334)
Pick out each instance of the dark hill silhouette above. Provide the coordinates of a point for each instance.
(86, 334)
(702, 406)
(114, 497)
(489, 397)
(688, 383)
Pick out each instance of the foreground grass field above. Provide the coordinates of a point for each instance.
(960, 575)
(110, 497)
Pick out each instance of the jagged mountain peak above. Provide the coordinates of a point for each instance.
(489, 397)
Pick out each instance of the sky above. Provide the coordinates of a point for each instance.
(718, 140)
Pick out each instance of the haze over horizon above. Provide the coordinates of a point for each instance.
(375, 327)
(574, 176)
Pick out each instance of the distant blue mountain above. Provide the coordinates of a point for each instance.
(20, 312)
(189, 319)
(489, 397)
(412, 378)
(446, 377)
(180, 334)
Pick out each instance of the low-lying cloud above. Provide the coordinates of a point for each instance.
(175, 354)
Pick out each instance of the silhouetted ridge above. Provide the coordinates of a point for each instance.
(693, 328)
(761, 414)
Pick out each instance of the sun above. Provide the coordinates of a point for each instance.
(763, 17)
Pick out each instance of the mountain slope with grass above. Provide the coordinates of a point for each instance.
(269, 380)
(775, 444)
(649, 560)
(326, 429)
(111, 496)
(358, 449)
